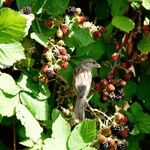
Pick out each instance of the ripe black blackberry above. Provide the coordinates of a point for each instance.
(118, 97)
(112, 96)
(105, 145)
(130, 125)
(115, 129)
(26, 10)
(50, 74)
(70, 10)
(121, 146)
(118, 89)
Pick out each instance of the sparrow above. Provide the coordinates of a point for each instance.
(82, 82)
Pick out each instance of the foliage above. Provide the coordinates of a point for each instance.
(41, 42)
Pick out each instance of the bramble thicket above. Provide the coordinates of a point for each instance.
(41, 43)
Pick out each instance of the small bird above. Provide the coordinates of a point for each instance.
(82, 82)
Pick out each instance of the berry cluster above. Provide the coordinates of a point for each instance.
(55, 58)
(113, 137)
(77, 17)
(111, 89)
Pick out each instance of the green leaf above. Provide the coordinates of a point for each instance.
(34, 4)
(135, 108)
(67, 73)
(56, 7)
(39, 109)
(32, 127)
(28, 84)
(8, 104)
(41, 39)
(61, 130)
(84, 133)
(143, 91)
(100, 9)
(1, 2)
(80, 36)
(12, 25)
(143, 88)
(146, 4)
(118, 7)
(123, 23)
(93, 50)
(130, 90)
(142, 122)
(8, 85)
(27, 143)
(10, 53)
(144, 44)
(134, 141)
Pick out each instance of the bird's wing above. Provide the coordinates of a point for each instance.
(82, 81)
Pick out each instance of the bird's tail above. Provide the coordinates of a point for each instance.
(79, 111)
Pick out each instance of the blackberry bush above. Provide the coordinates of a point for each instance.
(41, 44)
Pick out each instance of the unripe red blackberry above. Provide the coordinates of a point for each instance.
(117, 46)
(101, 138)
(64, 65)
(105, 93)
(124, 64)
(127, 76)
(62, 51)
(104, 98)
(111, 87)
(48, 23)
(64, 29)
(105, 82)
(146, 28)
(115, 56)
(122, 82)
(123, 134)
(97, 86)
(96, 34)
(80, 19)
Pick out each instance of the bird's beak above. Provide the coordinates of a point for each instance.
(98, 65)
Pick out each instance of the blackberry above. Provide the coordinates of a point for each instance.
(26, 10)
(71, 10)
(118, 97)
(121, 146)
(115, 129)
(105, 145)
(50, 74)
(112, 96)
(118, 89)
(130, 125)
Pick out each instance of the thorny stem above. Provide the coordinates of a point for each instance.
(98, 118)
(94, 111)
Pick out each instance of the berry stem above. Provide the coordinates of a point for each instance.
(38, 25)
